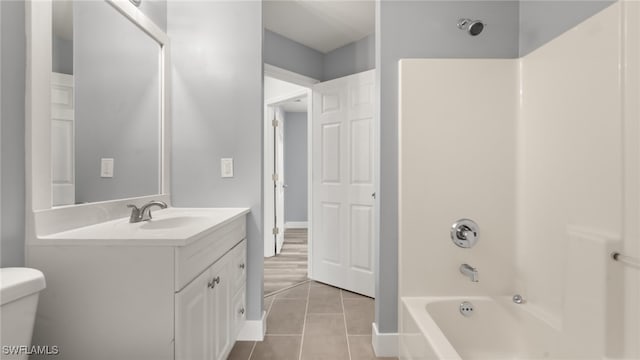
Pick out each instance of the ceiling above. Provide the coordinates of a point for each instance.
(323, 25)
(297, 105)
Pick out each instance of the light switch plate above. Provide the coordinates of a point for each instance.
(106, 167)
(226, 167)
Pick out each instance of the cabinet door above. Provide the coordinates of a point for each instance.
(193, 320)
(220, 305)
(238, 268)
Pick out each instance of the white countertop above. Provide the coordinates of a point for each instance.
(169, 227)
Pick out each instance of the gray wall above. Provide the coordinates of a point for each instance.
(12, 132)
(117, 104)
(287, 54)
(542, 21)
(295, 166)
(350, 59)
(62, 55)
(217, 112)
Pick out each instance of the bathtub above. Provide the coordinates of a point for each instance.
(434, 328)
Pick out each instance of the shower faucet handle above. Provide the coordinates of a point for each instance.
(464, 233)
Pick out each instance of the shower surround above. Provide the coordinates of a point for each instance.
(542, 152)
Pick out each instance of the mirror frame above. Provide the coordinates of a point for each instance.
(38, 18)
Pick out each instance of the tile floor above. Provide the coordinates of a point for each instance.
(313, 321)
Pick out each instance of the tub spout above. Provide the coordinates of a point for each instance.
(469, 271)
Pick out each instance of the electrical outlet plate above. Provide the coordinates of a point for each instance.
(226, 167)
(106, 167)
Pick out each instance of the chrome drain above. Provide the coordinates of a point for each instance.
(466, 309)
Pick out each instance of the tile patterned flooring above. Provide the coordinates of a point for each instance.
(313, 321)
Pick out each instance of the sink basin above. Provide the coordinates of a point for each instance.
(172, 222)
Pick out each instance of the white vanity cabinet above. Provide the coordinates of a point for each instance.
(210, 310)
(147, 291)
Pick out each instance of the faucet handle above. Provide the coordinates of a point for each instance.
(135, 213)
(467, 234)
(464, 233)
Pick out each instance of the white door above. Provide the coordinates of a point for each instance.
(193, 314)
(62, 140)
(344, 183)
(279, 179)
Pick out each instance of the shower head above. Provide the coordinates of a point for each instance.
(473, 27)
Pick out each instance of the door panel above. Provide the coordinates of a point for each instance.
(361, 234)
(362, 151)
(331, 229)
(330, 153)
(343, 183)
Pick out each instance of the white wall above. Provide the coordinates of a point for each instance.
(457, 160)
(571, 181)
(570, 150)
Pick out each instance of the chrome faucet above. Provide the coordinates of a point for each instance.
(144, 212)
(469, 271)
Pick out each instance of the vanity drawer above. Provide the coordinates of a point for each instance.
(193, 259)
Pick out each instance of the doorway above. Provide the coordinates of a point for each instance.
(286, 185)
(341, 178)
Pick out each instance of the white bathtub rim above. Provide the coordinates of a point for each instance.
(416, 307)
(428, 327)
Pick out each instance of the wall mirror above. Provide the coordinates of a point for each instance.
(107, 102)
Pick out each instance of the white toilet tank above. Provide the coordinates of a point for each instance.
(19, 288)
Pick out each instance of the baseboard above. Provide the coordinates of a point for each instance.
(296, 225)
(254, 330)
(384, 344)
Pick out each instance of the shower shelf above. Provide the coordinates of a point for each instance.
(628, 260)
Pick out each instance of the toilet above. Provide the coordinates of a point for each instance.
(19, 290)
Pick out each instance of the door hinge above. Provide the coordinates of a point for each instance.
(275, 177)
(276, 231)
(274, 123)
